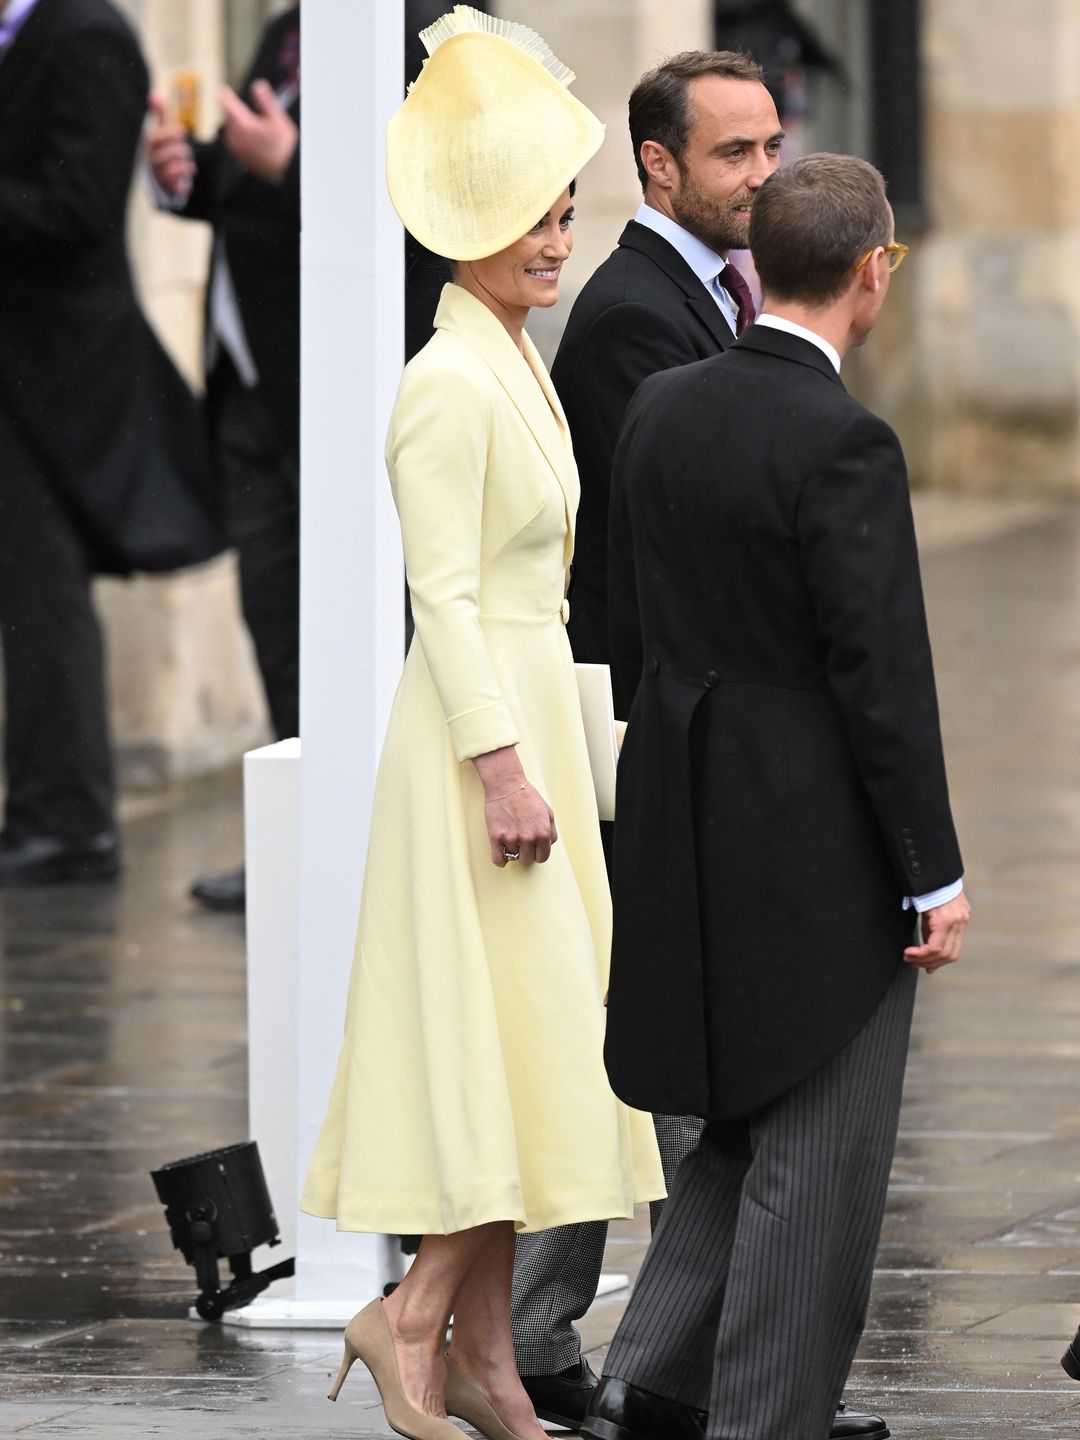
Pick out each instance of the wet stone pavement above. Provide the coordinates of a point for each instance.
(122, 1046)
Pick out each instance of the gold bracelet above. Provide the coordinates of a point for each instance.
(516, 791)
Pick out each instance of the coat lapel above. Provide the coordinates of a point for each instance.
(525, 380)
(666, 258)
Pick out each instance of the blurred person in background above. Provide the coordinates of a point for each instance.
(246, 184)
(101, 445)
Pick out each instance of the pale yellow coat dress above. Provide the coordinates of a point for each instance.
(471, 1085)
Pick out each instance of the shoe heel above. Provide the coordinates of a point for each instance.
(346, 1366)
(1070, 1363)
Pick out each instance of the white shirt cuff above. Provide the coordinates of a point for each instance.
(934, 898)
(160, 196)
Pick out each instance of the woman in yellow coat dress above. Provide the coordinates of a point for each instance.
(471, 1096)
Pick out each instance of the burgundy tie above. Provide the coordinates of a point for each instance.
(739, 290)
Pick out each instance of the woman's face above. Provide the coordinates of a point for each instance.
(527, 273)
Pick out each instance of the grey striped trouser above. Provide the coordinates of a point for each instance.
(752, 1297)
(556, 1272)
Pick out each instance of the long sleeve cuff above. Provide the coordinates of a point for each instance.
(476, 732)
(934, 898)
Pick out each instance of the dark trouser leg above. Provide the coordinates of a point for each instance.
(556, 1272)
(770, 1244)
(262, 501)
(57, 756)
(667, 1338)
(676, 1135)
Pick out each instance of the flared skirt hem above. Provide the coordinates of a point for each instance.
(387, 1215)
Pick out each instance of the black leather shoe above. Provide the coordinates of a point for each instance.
(618, 1411)
(226, 891)
(56, 859)
(849, 1423)
(1070, 1361)
(563, 1398)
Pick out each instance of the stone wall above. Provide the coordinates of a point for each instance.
(978, 360)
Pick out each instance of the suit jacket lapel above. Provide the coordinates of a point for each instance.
(537, 403)
(666, 258)
(711, 316)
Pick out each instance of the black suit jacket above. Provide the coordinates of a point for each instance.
(643, 310)
(259, 224)
(782, 785)
(81, 373)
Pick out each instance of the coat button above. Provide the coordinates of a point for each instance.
(654, 665)
(564, 612)
(711, 679)
(916, 868)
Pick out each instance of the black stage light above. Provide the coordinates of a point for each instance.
(217, 1205)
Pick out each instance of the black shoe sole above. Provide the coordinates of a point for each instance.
(94, 871)
(1070, 1363)
(599, 1429)
(223, 907)
(553, 1418)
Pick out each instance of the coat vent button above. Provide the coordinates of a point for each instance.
(711, 679)
(654, 665)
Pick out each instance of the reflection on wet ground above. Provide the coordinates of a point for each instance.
(122, 1045)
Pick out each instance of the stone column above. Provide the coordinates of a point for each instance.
(978, 360)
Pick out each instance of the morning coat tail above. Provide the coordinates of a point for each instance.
(782, 785)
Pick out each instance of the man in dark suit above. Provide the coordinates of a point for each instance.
(782, 806)
(246, 184)
(705, 136)
(101, 450)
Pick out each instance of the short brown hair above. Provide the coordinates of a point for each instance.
(660, 101)
(813, 221)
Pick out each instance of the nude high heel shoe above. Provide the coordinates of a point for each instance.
(368, 1338)
(467, 1401)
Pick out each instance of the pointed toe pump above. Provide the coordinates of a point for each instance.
(467, 1401)
(368, 1338)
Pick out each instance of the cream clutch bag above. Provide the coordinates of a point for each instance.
(603, 733)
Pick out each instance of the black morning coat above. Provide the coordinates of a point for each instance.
(641, 311)
(82, 375)
(259, 225)
(782, 785)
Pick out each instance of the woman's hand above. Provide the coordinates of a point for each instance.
(520, 822)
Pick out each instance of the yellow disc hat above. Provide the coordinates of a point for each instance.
(488, 137)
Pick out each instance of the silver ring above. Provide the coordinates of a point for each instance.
(511, 854)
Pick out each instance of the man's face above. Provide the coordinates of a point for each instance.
(732, 148)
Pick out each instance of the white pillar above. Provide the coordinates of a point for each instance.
(352, 582)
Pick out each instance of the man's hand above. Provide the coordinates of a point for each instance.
(262, 139)
(943, 930)
(169, 151)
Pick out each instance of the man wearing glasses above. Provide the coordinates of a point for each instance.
(783, 813)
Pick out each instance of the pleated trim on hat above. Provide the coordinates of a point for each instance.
(464, 18)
